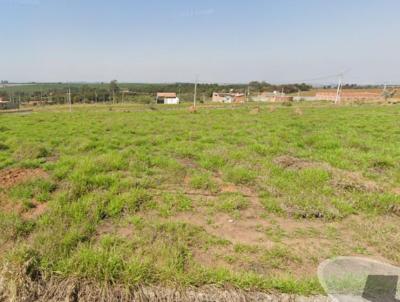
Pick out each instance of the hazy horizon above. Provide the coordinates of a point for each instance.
(316, 85)
(222, 42)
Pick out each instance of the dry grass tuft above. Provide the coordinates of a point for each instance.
(298, 111)
(192, 109)
(24, 285)
(352, 181)
(256, 110)
(294, 163)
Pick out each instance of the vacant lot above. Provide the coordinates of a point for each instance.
(253, 199)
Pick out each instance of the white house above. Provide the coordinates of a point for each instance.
(168, 98)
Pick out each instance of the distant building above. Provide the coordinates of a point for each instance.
(168, 98)
(348, 95)
(272, 97)
(231, 97)
(5, 105)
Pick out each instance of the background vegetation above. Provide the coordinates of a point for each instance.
(130, 92)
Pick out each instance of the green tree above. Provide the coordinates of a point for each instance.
(114, 86)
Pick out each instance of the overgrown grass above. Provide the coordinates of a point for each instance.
(117, 184)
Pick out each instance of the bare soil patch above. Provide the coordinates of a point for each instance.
(188, 163)
(237, 231)
(353, 181)
(294, 163)
(13, 177)
(38, 210)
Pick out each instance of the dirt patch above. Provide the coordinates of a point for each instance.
(13, 177)
(35, 210)
(226, 187)
(106, 227)
(38, 210)
(291, 225)
(186, 180)
(237, 231)
(188, 163)
(52, 159)
(353, 181)
(6, 204)
(211, 257)
(294, 163)
(242, 229)
(229, 188)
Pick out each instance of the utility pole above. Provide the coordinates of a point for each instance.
(95, 96)
(339, 89)
(113, 96)
(69, 100)
(195, 91)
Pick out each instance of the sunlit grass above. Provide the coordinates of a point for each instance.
(119, 177)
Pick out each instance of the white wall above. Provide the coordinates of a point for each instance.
(171, 101)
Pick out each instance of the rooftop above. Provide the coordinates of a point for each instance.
(166, 94)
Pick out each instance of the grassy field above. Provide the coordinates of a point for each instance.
(253, 199)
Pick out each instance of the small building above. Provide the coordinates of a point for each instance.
(228, 98)
(168, 98)
(5, 105)
(272, 97)
(304, 98)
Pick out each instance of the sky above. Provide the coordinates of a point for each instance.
(223, 41)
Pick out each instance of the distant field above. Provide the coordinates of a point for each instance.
(254, 199)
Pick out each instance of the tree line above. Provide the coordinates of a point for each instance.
(131, 92)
